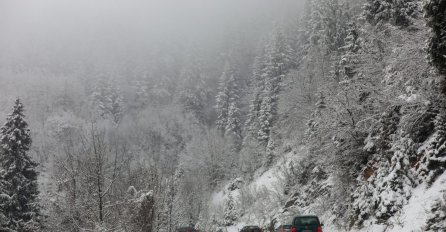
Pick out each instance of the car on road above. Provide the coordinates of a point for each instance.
(308, 223)
(221, 229)
(284, 228)
(251, 229)
(186, 229)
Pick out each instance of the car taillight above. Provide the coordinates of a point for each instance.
(319, 228)
(294, 229)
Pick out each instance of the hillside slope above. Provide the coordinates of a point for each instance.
(372, 154)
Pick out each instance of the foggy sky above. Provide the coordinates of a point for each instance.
(37, 32)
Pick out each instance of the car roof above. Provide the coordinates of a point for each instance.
(314, 217)
(251, 227)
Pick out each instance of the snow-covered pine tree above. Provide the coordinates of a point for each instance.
(366, 197)
(250, 154)
(233, 127)
(170, 193)
(394, 185)
(144, 212)
(194, 92)
(141, 93)
(270, 67)
(182, 213)
(222, 100)
(19, 207)
(114, 104)
(335, 24)
(284, 55)
(327, 24)
(99, 96)
(349, 60)
(107, 100)
(279, 59)
(227, 102)
(313, 21)
(230, 211)
(266, 115)
(433, 156)
(436, 220)
(389, 177)
(228, 111)
(257, 87)
(435, 11)
(65, 99)
(396, 12)
(351, 40)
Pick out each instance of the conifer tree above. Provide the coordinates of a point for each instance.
(436, 218)
(233, 125)
(99, 96)
(228, 111)
(194, 92)
(397, 12)
(335, 24)
(436, 14)
(19, 208)
(230, 211)
(222, 99)
(269, 70)
(433, 161)
(349, 60)
(372, 189)
(326, 24)
(395, 183)
(114, 104)
(141, 93)
(257, 85)
(107, 100)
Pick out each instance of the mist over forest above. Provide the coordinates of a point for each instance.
(155, 115)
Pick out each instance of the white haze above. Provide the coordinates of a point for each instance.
(36, 33)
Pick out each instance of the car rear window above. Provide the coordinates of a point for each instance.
(306, 221)
(251, 229)
(186, 229)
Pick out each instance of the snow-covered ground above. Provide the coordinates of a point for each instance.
(414, 214)
(411, 219)
(270, 181)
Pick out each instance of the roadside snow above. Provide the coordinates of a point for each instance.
(414, 214)
(411, 219)
(271, 181)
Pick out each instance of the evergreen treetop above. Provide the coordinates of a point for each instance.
(19, 209)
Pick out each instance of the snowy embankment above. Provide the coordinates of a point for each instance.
(267, 191)
(414, 215)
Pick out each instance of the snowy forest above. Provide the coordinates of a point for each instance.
(149, 115)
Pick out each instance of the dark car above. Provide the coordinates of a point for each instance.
(306, 224)
(251, 229)
(187, 229)
(284, 228)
